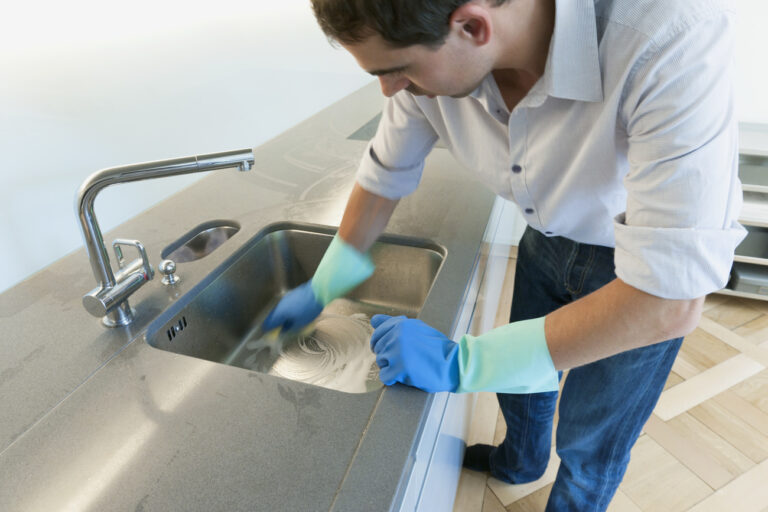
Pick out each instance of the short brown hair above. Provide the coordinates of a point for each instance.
(399, 22)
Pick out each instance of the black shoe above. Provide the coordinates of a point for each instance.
(478, 457)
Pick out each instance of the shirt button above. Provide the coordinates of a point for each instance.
(516, 168)
(529, 211)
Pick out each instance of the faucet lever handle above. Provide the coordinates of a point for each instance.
(142, 261)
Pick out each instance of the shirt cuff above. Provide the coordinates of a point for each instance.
(675, 263)
(392, 183)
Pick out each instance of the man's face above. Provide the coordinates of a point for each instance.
(454, 69)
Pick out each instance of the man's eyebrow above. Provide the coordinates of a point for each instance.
(379, 72)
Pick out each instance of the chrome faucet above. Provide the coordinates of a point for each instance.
(110, 298)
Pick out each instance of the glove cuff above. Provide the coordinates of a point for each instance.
(513, 358)
(342, 268)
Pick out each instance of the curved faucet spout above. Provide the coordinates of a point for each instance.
(109, 298)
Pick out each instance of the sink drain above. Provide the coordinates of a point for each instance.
(176, 328)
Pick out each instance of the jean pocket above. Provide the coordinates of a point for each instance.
(581, 275)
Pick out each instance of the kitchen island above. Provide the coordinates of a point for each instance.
(97, 419)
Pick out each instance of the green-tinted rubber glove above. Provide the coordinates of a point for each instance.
(342, 268)
(513, 358)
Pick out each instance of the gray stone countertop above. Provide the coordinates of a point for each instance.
(96, 419)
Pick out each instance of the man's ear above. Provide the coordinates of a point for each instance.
(473, 21)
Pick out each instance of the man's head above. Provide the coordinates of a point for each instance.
(400, 23)
(432, 47)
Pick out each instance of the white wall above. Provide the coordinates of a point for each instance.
(88, 84)
(752, 60)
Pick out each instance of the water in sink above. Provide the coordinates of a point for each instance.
(333, 352)
(215, 321)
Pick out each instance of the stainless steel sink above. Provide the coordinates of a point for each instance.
(219, 320)
(201, 241)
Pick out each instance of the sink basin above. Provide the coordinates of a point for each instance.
(200, 241)
(219, 319)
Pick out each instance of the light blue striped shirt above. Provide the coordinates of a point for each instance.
(628, 140)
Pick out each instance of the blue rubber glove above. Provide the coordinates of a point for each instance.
(341, 269)
(295, 310)
(409, 351)
(513, 358)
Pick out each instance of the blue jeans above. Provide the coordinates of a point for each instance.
(604, 404)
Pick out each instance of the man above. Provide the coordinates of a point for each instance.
(611, 125)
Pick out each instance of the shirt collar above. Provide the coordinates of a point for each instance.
(573, 66)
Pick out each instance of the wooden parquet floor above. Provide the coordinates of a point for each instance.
(705, 447)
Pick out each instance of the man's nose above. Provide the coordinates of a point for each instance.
(391, 86)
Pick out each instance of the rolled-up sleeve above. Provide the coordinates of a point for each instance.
(393, 162)
(677, 237)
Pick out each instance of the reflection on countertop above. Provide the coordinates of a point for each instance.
(102, 420)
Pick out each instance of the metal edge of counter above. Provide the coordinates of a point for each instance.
(444, 437)
(437, 444)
